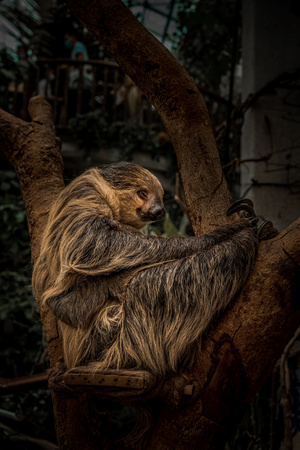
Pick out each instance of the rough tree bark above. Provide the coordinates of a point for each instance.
(243, 345)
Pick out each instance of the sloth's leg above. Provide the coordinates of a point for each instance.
(266, 230)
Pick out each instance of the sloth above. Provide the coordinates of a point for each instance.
(124, 300)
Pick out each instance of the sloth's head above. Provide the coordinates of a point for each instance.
(139, 192)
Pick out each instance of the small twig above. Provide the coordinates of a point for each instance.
(255, 183)
(216, 97)
(238, 162)
(18, 437)
(29, 381)
(273, 409)
(179, 195)
(239, 111)
(43, 356)
(254, 440)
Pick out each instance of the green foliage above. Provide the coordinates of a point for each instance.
(145, 138)
(90, 130)
(10, 70)
(140, 138)
(14, 239)
(23, 20)
(21, 339)
(34, 412)
(204, 36)
(21, 17)
(167, 228)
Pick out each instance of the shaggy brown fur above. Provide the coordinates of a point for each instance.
(125, 300)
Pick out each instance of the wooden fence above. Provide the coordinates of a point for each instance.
(78, 87)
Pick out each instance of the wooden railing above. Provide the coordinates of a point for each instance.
(78, 87)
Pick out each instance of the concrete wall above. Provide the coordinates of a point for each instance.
(271, 46)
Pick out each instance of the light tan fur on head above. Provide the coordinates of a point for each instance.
(139, 193)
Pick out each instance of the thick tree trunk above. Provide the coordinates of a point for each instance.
(243, 346)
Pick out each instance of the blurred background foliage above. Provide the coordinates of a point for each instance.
(18, 312)
(22, 343)
(204, 41)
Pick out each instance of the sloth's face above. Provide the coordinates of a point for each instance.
(151, 206)
(141, 207)
(139, 193)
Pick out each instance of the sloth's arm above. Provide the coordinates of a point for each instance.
(214, 251)
(104, 246)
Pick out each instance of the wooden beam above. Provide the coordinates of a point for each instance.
(84, 378)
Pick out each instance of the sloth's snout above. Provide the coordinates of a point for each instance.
(157, 212)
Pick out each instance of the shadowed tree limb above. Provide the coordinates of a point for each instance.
(33, 149)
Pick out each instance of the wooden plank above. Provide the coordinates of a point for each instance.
(100, 379)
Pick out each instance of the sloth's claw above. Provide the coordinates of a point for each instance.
(253, 220)
(241, 205)
(266, 231)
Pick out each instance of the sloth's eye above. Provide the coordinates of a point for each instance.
(143, 194)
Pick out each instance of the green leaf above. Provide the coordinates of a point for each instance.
(169, 228)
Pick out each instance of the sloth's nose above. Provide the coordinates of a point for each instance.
(157, 212)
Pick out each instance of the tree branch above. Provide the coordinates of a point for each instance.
(41, 179)
(175, 96)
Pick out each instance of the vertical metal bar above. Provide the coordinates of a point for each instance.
(93, 90)
(141, 114)
(15, 98)
(25, 98)
(79, 91)
(37, 78)
(63, 117)
(56, 90)
(105, 77)
(116, 76)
